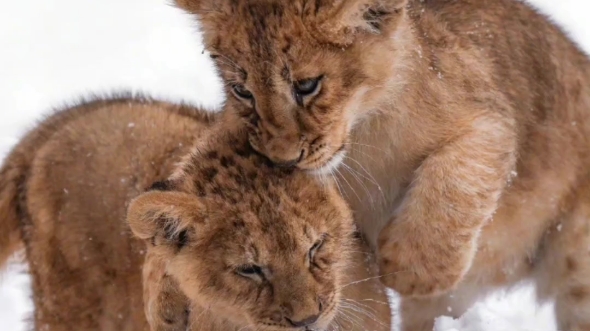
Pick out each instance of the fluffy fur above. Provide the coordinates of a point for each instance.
(65, 190)
(226, 210)
(466, 124)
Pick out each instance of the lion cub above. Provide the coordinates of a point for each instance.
(252, 246)
(462, 128)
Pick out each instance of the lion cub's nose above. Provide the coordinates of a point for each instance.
(304, 322)
(285, 151)
(288, 163)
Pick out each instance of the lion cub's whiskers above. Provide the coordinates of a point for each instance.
(371, 278)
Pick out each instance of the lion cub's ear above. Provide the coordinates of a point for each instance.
(340, 22)
(164, 218)
(191, 6)
(202, 7)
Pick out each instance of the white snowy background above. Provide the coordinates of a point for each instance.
(52, 52)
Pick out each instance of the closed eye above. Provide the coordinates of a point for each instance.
(313, 250)
(241, 92)
(250, 271)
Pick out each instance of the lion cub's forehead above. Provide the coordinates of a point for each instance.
(234, 173)
(263, 236)
(244, 193)
(267, 33)
(229, 175)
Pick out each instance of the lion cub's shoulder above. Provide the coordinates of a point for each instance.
(64, 189)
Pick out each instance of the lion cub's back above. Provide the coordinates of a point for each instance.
(85, 266)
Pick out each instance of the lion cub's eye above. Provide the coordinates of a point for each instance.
(313, 250)
(250, 271)
(241, 92)
(307, 87)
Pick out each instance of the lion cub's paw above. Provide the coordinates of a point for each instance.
(421, 262)
(166, 307)
(171, 317)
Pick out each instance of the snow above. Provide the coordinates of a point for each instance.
(514, 311)
(55, 51)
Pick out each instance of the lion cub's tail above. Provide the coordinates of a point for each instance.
(12, 177)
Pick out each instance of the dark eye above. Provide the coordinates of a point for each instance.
(307, 87)
(313, 250)
(250, 271)
(241, 92)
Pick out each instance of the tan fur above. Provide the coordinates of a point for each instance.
(466, 125)
(227, 209)
(74, 173)
(67, 187)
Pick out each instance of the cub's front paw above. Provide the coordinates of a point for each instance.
(167, 309)
(172, 319)
(417, 262)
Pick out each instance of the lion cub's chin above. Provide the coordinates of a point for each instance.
(328, 167)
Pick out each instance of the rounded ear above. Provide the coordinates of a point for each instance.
(203, 7)
(164, 217)
(191, 6)
(340, 21)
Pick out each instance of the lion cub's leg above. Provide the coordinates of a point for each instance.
(166, 307)
(365, 303)
(564, 273)
(429, 245)
(418, 314)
